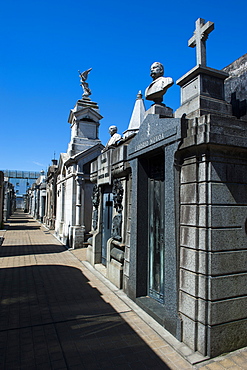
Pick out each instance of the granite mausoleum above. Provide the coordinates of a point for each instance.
(180, 247)
(212, 159)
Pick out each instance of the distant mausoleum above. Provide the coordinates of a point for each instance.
(36, 198)
(1, 199)
(51, 196)
(22, 181)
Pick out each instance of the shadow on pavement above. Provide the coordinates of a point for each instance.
(25, 250)
(23, 222)
(23, 227)
(52, 318)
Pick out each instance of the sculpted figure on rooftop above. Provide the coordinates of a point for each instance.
(115, 137)
(84, 84)
(160, 84)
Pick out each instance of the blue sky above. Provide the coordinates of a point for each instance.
(44, 44)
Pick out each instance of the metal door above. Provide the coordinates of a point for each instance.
(106, 224)
(156, 229)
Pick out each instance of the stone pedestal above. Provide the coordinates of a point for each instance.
(115, 273)
(84, 120)
(77, 236)
(94, 249)
(115, 262)
(87, 103)
(161, 109)
(202, 92)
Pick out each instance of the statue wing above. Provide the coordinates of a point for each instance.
(85, 74)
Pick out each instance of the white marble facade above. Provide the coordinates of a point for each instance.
(37, 196)
(74, 190)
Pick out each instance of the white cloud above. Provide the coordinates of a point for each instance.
(39, 164)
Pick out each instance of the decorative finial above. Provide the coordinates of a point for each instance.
(139, 95)
(84, 84)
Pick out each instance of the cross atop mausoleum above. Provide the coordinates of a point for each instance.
(199, 40)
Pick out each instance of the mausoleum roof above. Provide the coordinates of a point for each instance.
(137, 116)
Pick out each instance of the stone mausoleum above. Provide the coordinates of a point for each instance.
(22, 181)
(111, 175)
(73, 186)
(51, 196)
(170, 207)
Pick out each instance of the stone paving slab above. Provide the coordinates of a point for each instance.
(56, 313)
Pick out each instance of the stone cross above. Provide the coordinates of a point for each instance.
(199, 40)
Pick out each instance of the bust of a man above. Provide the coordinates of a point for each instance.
(115, 137)
(160, 84)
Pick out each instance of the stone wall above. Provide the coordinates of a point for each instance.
(236, 86)
(213, 241)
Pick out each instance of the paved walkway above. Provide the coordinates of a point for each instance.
(56, 312)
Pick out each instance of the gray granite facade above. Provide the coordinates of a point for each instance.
(213, 211)
(170, 210)
(204, 218)
(188, 212)
(213, 247)
(157, 141)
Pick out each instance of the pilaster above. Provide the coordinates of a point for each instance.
(213, 251)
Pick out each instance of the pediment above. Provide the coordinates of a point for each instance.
(154, 132)
(86, 155)
(62, 159)
(86, 114)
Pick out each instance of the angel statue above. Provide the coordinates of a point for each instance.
(84, 84)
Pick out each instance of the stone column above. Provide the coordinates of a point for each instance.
(78, 201)
(61, 209)
(62, 201)
(77, 231)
